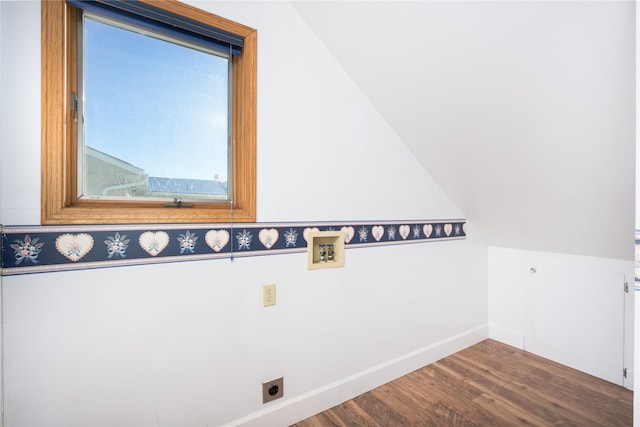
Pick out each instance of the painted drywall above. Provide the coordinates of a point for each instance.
(19, 108)
(2, 131)
(636, 378)
(316, 130)
(532, 101)
(189, 343)
(3, 161)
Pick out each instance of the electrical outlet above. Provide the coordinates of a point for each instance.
(272, 390)
(269, 295)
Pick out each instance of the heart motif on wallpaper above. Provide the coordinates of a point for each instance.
(217, 239)
(464, 228)
(308, 230)
(74, 246)
(428, 229)
(153, 242)
(404, 231)
(268, 237)
(377, 231)
(348, 233)
(448, 228)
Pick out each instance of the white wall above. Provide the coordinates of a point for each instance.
(3, 160)
(2, 131)
(19, 109)
(636, 396)
(188, 343)
(521, 110)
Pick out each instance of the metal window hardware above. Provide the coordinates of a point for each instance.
(74, 104)
(177, 203)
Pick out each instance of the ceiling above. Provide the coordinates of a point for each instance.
(523, 112)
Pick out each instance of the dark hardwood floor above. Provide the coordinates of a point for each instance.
(488, 384)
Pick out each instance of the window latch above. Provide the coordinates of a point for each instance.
(177, 203)
(74, 105)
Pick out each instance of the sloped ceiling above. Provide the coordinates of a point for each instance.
(523, 112)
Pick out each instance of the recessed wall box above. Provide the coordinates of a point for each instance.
(325, 249)
(272, 390)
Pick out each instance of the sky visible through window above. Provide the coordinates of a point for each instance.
(157, 105)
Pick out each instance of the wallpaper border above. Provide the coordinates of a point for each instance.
(39, 249)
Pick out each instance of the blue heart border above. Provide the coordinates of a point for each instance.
(32, 249)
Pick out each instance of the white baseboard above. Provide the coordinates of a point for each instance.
(506, 336)
(300, 407)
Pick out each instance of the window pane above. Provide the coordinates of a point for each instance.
(156, 117)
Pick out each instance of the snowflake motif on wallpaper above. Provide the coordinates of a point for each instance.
(117, 245)
(27, 250)
(416, 231)
(291, 237)
(391, 232)
(244, 240)
(187, 242)
(438, 230)
(363, 233)
(456, 229)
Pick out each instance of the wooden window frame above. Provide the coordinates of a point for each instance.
(59, 202)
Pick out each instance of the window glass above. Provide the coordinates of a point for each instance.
(154, 116)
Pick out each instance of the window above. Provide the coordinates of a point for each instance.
(111, 154)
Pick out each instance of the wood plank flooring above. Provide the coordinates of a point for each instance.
(488, 384)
